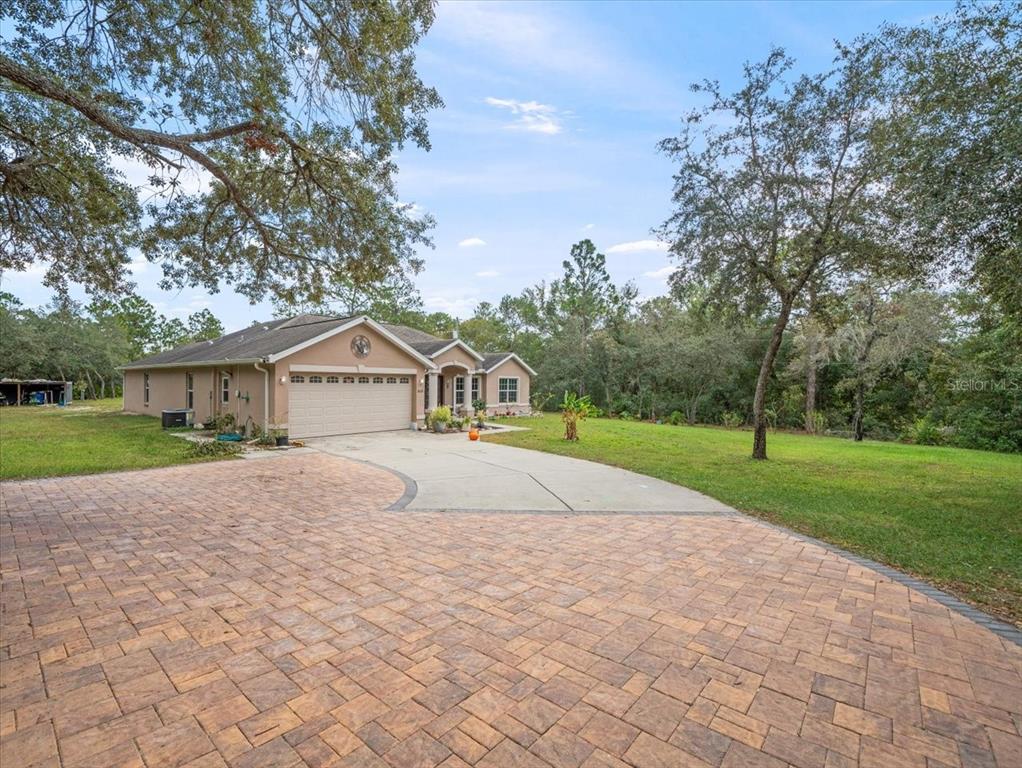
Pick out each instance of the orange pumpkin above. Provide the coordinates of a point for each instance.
(473, 434)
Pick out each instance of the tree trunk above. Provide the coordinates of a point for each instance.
(811, 383)
(860, 396)
(766, 368)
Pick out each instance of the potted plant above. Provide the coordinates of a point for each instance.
(480, 408)
(279, 435)
(439, 418)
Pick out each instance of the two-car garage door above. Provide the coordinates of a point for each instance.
(322, 404)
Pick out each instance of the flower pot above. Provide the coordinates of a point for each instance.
(281, 441)
(439, 427)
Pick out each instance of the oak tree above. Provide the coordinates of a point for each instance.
(268, 131)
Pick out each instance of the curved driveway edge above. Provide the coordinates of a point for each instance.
(452, 473)
(449, 473)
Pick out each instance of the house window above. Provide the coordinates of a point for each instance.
(404, 379)
(507, 390)
(349, 379)
(189, 391)
(315, 379)
(475, 388)
(225, 389)
(377, 379)
(145, 388)
(332, 380)
(363, 379)
(296, 379)
(459, 390)
(392, 379)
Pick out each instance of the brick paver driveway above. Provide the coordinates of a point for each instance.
(272, 613)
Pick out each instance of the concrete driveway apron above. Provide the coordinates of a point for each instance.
(453, 473)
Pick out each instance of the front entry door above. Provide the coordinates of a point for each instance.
(440, 389)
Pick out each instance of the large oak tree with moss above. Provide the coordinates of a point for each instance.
(291, 111)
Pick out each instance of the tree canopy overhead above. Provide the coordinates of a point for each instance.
(291, 110)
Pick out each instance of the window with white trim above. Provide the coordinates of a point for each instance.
(225, 389)
(392, 379)
(349, 379)
(377, 379)
(404, 379)
(475, 388)
(145, 389)
(332, 380)
(507, 390)
(459, 390)
(315, 379)
(189, 391)
(296, 379)
(363, 379)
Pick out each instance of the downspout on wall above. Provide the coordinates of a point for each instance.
(266, 397)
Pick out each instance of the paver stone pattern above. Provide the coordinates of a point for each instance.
(273, 613)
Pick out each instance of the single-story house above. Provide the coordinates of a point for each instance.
(315, 375)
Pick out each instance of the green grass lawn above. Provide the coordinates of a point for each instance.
(950, 516)
(90, 436)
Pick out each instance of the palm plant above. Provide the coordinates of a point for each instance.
(575, 408)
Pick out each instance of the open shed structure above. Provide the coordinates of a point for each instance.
(34, 392)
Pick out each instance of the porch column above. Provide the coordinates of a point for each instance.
(431, 400)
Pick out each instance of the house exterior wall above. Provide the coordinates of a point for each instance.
(457, 357)
(490, 384)
(245, 400)
(167, 390)
(336, 351)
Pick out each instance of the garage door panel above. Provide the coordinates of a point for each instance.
(345, 408)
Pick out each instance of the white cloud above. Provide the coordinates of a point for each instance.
(530, 115)
(559, 43)
(472, 242)
(587, 227)
(638, 246)
(414, 210)
(138, 265)
(663, 273)
(463, 306)
(488, 273)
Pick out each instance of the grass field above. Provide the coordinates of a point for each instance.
(91, 436)
(951, 516)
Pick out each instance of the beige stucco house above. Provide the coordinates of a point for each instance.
(315, 375)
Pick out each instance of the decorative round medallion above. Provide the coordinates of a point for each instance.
(360, 346)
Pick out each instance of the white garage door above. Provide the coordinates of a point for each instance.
(321, 404)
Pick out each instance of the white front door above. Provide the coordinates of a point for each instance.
(320, 404)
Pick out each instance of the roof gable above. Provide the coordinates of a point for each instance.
(493, 360)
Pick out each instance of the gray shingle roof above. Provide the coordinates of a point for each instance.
(490, 359)
(263, 339)
(256, 341)
(424, 343)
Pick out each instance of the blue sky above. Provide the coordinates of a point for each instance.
(553, 112)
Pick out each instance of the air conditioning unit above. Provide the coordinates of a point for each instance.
(178, 417)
